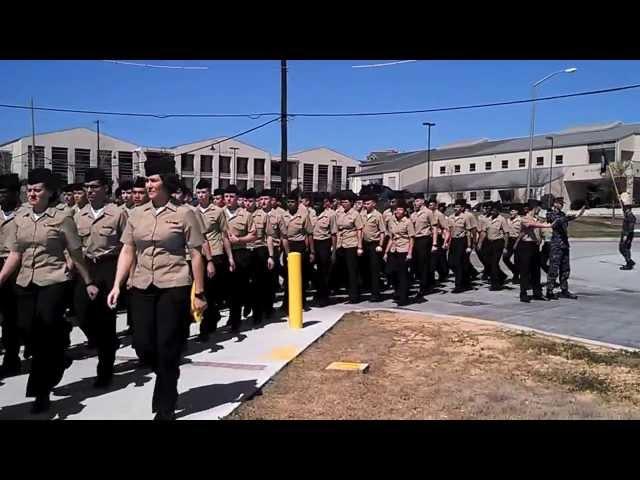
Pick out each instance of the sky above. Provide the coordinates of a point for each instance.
(314, 86)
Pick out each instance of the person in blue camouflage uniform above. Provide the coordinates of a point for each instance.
(628, 226)
(559, 250)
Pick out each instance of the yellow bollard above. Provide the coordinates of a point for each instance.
(295, 290)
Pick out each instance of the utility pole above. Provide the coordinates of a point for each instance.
(283, 127)
(32, 160)
(98, 142)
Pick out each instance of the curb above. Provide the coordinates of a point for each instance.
(512, 326)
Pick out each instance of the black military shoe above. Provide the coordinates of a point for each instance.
(525, 298)
(103, 381)
(41, 404)
(567, 294)
(539, 296)
(551, 296)
(627, 267)
(10, 370)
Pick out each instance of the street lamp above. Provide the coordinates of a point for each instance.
(533, 120)
(428, 125)
(549, 137)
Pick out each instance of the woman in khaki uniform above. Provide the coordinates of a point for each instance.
(37, 244)
(398, 253)
(349, 242)
(156, 237)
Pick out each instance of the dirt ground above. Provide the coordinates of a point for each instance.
(432, 368)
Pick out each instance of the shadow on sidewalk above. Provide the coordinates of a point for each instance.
(201, 399)
(75, 393)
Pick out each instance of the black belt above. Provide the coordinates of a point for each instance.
(102, 259)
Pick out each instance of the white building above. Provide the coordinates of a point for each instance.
(484, 170)
(70, 152)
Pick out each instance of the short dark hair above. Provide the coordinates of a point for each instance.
(203, 184)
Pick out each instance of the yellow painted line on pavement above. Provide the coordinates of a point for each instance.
(285, 353)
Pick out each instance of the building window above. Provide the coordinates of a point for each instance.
(323, 177)
(60, 162)
(505, 163)
(539, 161)
(186, 162)
(487, 165)
(521, 162)
(456, 168)
(206, 163)
(486, 195)
(336, 184)
(225, 164)
(258, 185)
(5, 162)
(307, 177)
(104, 162)
(350, 171)
(472, 167)
(125, 165)
(38, 162)
(473, 196)
(460, 196)
(443, 170)
(224, 183)
(559, 160)
(242, 163)
(188, 182)
(276, 187)
(241, 184)
(82, 157)
(275, 168)
(392, 183)
(258, 166)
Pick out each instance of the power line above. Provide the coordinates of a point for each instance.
(341, 114)
(383, 64)
(156, 66)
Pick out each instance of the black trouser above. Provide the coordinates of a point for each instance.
(261, 287)
(508, 253)
(422, 258)
(98, 319)
(348, 257)
(439, 261)
(493, 254)
(528, 255)
(10, 332)
(158, 336)
(323, 264)
(41, 321)
(483, 256)
(372, 261)
(214, 289)
(398, 270)
(275, 275)
(545, 253)
(296, 247)
(625, 247)
(458, 259)
(239, 282)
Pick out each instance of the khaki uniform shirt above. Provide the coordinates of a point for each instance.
(459, 225)
(273, 227)
(527, 232)
(214, 222)
(325, 225)
(101, 236)
(374, 226)
(239, 224)
(348, 225)
(63, 207)
(400, 232)
(296, 227)
(386, 215)
(6, 223)
(423, 221)
(260, 221)
(495, 228)
(161, 241)
(42, 244)
(514, 226)
(441, 221)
